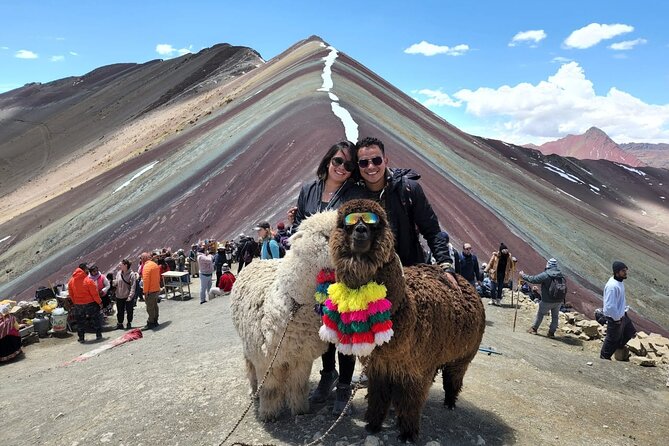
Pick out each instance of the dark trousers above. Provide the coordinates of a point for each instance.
(88, 316)
(617, 335)
(500, 285)
(123, 305)
(346, 364)
(219, 273)
(152, 307)
(241, 265)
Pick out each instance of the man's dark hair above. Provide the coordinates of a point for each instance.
(344, 146)
(83, 266)
(369, 141)
(126, 262)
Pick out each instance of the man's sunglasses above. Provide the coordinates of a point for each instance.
(348, 165)
(377, 160)
(369, 218)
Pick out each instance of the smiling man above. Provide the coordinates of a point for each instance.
(409, 211)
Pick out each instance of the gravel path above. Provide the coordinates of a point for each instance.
(184, 384)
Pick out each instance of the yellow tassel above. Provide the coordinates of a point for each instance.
(355, 299)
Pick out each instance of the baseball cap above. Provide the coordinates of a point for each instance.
(261, 225)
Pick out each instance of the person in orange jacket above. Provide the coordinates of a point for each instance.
(151, 280)
(83, 293)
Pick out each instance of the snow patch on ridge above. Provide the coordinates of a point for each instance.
(570, 195)
(350, 126)
(3, 239)
(563, 174)
(135, 176)
(631, 169)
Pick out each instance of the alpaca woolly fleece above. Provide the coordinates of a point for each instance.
(261, 303)
(436, 326)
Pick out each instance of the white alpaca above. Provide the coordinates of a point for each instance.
(261, 302)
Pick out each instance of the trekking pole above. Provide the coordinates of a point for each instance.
(515, 312)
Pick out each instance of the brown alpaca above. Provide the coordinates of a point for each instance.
(435, 326)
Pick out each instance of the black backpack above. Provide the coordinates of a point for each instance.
(558, 289)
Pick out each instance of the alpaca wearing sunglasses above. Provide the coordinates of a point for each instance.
(436, 326)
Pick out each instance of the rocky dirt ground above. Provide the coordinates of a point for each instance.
(184, 384)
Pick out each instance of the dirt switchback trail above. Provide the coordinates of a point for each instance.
(185, 384)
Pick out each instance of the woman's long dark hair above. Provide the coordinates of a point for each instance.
(344, 146)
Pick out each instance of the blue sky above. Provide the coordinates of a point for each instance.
(521, 71)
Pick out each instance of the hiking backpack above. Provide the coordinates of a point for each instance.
(558, 289)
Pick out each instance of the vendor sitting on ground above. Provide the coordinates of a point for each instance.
(10, 339)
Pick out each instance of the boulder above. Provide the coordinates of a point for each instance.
(622, 354)
(657, 339)
(643, 361)
(584, 337)
(635, 347)
(590, 328)
(641, 335)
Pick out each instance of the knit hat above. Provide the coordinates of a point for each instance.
(280, 226)
(617, 266)
(552, 263)
(502, 246)
(225, 267)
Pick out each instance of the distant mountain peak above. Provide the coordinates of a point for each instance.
(593, 144)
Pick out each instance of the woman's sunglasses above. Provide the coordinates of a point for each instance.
(377, 160)
(369, 218)
(348, 165)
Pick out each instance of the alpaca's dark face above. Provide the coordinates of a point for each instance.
(362, 229)
(361, 243)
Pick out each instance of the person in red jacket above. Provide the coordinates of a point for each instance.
(227, 279)
(86, 302)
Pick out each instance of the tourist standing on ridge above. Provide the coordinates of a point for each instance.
(409, 211)
(192, 262)
(550, 301)
(151, 285)
(86, 302)
(269, 248)
(334, 185)
(126, 281)
(619, 327)
(246, 251)
(500, 267)
(469, 265)
(205, 263)
(219, 260)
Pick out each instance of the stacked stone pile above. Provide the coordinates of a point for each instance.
(648, 350)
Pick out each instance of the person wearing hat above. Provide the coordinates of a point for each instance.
(619, 327)
(499, 268)
(10, 337)
(548, 303)
(192, 262)
(269, 248)
(227, 280)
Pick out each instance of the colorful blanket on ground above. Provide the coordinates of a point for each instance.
(356, 320)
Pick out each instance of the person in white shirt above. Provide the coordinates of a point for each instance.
(619, 327)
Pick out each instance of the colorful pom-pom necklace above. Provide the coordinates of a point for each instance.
(356, 320)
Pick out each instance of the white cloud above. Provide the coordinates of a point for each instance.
(429, 49)
(627, 44)
(25, 54)
(165, 49)
(561, 60)
(594, 33)
(4, 47)
(57, 58)
(72, 53)
(535, 36)
(565, 103)
(438, 98)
